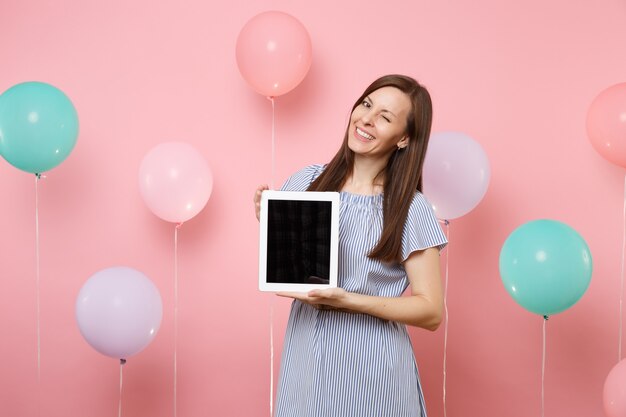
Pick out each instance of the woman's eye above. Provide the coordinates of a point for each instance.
(387, 119)
(367, 104)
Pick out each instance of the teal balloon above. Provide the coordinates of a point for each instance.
(545, 266)
(38, 126)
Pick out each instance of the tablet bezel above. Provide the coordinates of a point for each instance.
(329, 196)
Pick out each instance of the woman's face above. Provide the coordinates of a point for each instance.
(378, 123)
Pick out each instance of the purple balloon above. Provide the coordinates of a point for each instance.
(456, 174)
(119, 311)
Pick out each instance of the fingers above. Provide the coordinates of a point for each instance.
(290, 294)
(257, 199)
(327, 293)
(314, 302)
(303, 297)
(259, 191)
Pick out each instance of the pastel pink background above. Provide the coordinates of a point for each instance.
(516, 76)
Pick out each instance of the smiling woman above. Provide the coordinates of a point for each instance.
(347, 352)
(379, 121)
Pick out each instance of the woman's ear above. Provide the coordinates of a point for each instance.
(404, 142)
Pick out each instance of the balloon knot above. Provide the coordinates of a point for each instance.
(545, 317)
(178, 225)
(122, 361)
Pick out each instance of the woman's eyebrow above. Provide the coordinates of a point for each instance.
(383, 110)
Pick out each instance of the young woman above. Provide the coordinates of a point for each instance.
(347, 352)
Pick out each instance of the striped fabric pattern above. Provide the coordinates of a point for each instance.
(339, 364)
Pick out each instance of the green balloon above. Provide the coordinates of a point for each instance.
(38, 126)
(545, 266)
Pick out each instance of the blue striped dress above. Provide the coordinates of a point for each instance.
(339, 364)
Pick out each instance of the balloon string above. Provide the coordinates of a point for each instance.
(621, 292)
(38, 299)
(543, 366)
(272, 182)
(273, 177)
(175, 311)
(445, 326)
(272, 358)
(119, 407)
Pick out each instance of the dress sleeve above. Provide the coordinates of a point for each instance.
(301, 180)
(421, 228)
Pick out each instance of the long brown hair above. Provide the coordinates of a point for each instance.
(403, 173)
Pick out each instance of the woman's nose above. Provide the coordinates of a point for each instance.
(367, 118)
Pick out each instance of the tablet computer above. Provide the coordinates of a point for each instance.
(299, 238)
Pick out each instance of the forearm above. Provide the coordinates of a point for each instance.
(423, 308)
(414, 310)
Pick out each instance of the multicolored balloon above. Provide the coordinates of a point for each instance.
(38, 126)
(546, 266)
(273, 53)
(456, 174)
(606, 124)
(614, 393)
(175, 181)
(119, 311)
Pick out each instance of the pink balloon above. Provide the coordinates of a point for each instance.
(175, 181)
(118, 311)
(606, 124)
(456, 174)
(614, 395)
(273, 53)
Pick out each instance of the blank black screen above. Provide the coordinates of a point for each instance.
(298, 241)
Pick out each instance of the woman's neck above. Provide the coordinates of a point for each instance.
(367, 177)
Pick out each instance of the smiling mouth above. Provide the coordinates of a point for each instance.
(364, 135)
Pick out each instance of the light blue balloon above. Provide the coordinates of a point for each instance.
(545, 266)
(38, 126)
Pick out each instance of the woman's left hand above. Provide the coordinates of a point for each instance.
(330, 298)
(423, 308)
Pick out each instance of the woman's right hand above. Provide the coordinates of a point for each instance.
(257, 199)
